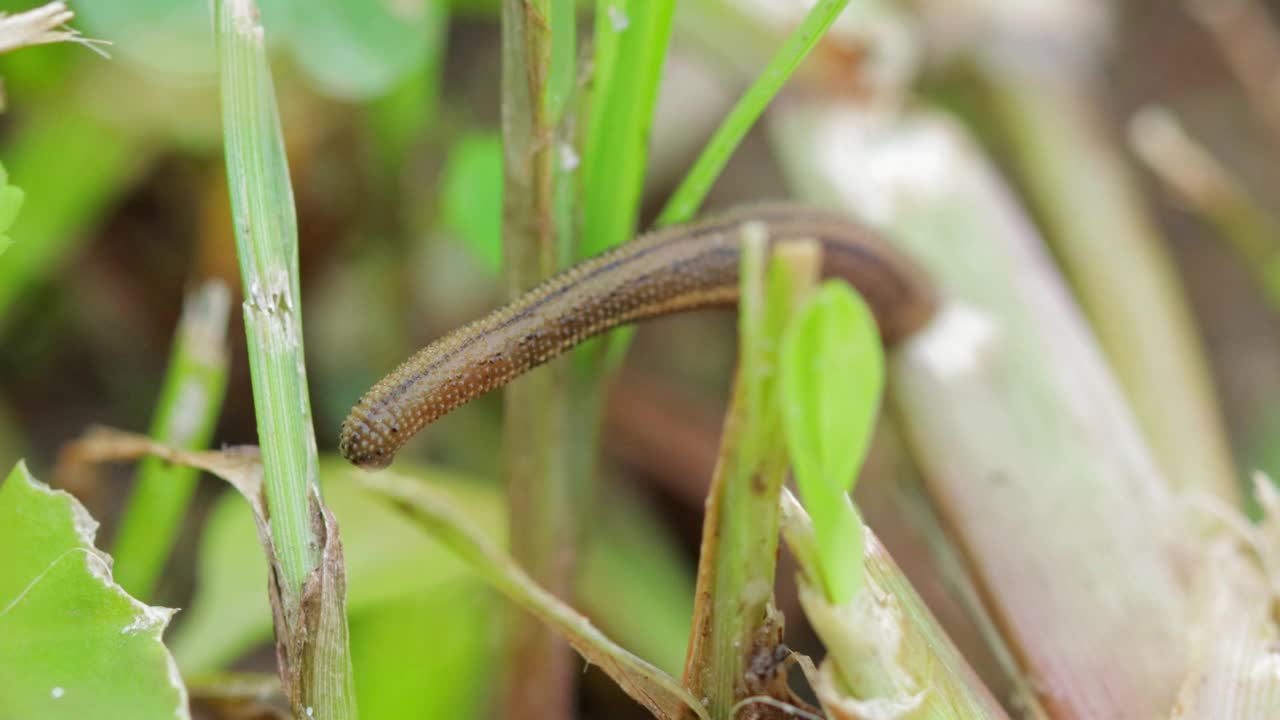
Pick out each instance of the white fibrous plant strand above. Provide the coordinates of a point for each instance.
(41, 26)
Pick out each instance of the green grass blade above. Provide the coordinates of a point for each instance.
(687, 198)
(188, 409)
(446, 522)
(563, 68)
(267, 246)
(317, 670)
(631, 38)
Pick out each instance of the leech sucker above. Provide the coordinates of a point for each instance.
(669, 271)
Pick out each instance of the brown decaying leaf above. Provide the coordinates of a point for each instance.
(306, 671)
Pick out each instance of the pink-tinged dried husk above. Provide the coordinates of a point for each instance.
(1235, 668)
(887, 657)
(1028, 448)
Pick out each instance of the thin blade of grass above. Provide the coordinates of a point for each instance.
(267, 246)
(646, 684)
(688, 197)
(631, 38)
(312, 643)
(186, 413)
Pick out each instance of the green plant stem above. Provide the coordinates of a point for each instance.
(735, 623)
(687, 198)
(186, 413)
(312, 639)
(267, 246)
(542, 531)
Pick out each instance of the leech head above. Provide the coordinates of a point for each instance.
(364, 443)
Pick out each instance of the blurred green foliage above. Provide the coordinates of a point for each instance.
(349, 49)
(470, 190)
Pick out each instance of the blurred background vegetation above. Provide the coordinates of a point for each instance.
(392, 123)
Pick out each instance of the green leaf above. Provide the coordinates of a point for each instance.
(75, 644)
(832, 377)
(387, 558)
(688, 197)
(631, 38)
(471, 191)
(10, 203)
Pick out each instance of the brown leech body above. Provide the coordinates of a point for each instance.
(668, 271)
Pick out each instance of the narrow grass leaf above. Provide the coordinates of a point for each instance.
(186, 413)
(631, 38)
(688, 197)
(267, 247)
(655, 690)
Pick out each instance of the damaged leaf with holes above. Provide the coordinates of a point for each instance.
(73, 643)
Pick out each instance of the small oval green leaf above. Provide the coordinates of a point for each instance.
(831, 376)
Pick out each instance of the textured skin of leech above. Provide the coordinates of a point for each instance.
(673, 270)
